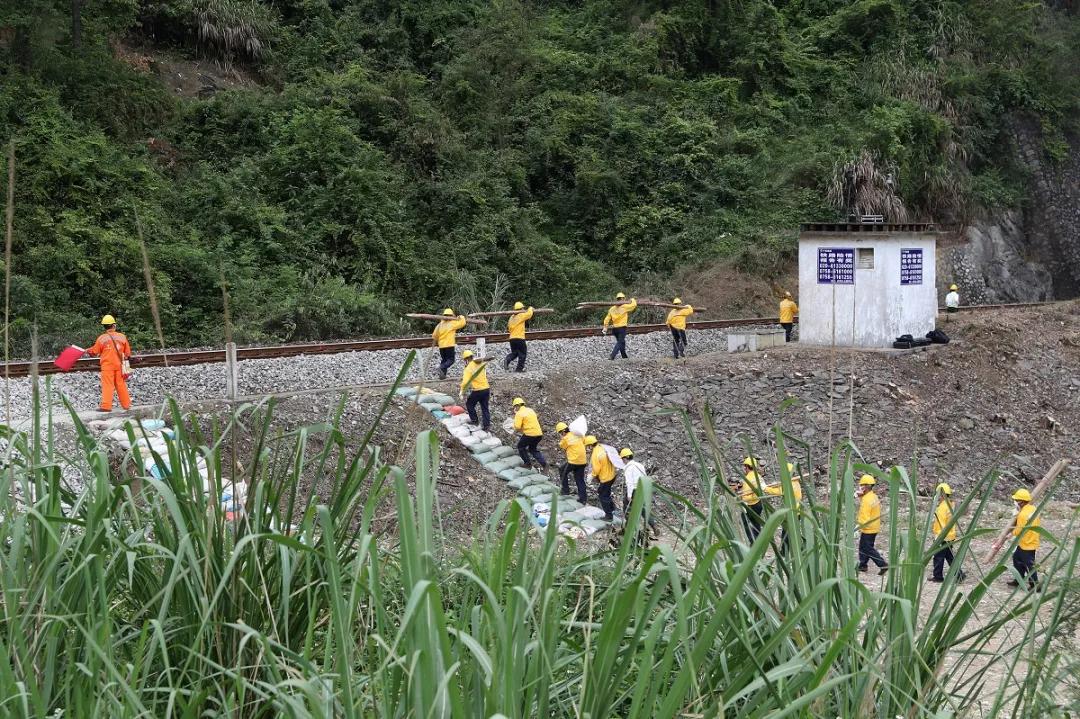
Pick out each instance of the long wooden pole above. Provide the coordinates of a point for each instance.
(1057, 469)
(10, 229)
(148, 275)
(440, 318)
(507, 313)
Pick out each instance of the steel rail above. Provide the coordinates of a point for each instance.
(186, 358)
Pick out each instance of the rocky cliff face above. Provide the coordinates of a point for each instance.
(994, 265)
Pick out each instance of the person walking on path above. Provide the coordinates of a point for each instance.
(475, 379)
(788, 311)
(777, 490)
(676, 322)
(617, 317)
(603, 471)
(516, 327)
(869, 525)
(574, 447)
(943, 515)
(528, 424)
(1024, 527)
(749, 493)
(113, 349)
(445, 336)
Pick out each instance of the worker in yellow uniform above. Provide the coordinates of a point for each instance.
(869, 525)
(777, 490)
(749, 493)
(445, 336)
(603, 471)
(528, 424)
(788, 311)
(113, 349)
(476, 380)
(574, 447)
(676, 322)
(1024, 527)
(516, 327)
(943, 514)
(617, 317)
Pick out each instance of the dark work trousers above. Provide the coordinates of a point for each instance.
(578, 470)
(479, 397)
(752, 520)
(787, 330)
(620, 342)
(626, 502)
(446, 355)
(1024, 562)
(530, 446)
(945, 554)
(678, 342)
(869, 553)
(606, 502)
(518, 350)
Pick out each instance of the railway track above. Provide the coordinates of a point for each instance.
(195, 357)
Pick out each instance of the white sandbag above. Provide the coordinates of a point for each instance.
(580, 426)
(456, 420)
(541, 508)
(571, 531)
(491, 442)
(118, 435)
(591, 513)
(613, 455)
(542, 498)
(537, 489)
(481, 434)
(460, 432)
(508, 425)
(487, 458)
(566, 505)
(595, 524)
(152, 425)
(468, 441)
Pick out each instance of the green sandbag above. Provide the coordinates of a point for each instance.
(533, 490)
(521, 482)
(430, 406)
(504, 451)
(542, 498)
(567, 505)
(508, 474)
(514, 461)
(405, 391)
(499, 465)
(487, 458)
(595, 523)
(441, 399)
(439, 414)
(571, 517)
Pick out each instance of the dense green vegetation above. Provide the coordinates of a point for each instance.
(403, 155)
(121, 599)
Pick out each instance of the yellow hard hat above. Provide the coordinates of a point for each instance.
(626, 453)
(1022, 495)
(620, 296)
(108, 320)
(867, 480)
(790, 468)
(953, 287)
(749, 462)
(518, 401)
(944, 489)
(519, 305)
(561, 427)
(787, 294)
(448, 312)
(466, 354)
(590, 440)
(676, 301)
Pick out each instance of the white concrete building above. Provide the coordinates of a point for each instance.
(868, 283)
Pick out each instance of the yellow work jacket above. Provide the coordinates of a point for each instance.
(676, 319)
(869, 518)
(942, 516)
(751, 489)
(619, 315)
(1029, 540)
(574, 447)
(602, 468)
(777, 490)
(445, 333)
(526, 422)
(788, 310)
(475, 377)
(516, 325)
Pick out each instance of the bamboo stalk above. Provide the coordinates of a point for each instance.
(149, 277)
(1036, 493)
(506, 313)
(10, 228)
(440, 318)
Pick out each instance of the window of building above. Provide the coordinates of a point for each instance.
(864, 259)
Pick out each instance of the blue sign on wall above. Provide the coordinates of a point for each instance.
(836, 266)
(910, 266)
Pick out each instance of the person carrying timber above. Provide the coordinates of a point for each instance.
(676, 322)
(617, 317)
(777, 490)
(476, 380)
(943, 515)
(574, 447)
(113, 349)
(445, 336)
(516, 327)
(869, 525)
(527, 423)
(603, 471)
(1024, 527)
(788, 311)
(749, 493)
(633, 471)
(952, 301)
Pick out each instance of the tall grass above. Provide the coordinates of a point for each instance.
(139, 599)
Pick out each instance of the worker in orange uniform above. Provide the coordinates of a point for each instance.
(602, 470)
(676, 322)
(749, 493)
(528, 424)
(869, 525)
(516, 327)
(788, 311)
(943, 516)
(475, 378)
(617, 317)
(1024, 527)
(113, 349)
(445, 336)
(574, 447)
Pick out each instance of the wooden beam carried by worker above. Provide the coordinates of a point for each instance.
(440, 318)
(669, 305)
(507, 313)
(1036, 494)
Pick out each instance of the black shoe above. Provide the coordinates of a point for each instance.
(937, 580)
(506, 365)
(520, 369)
(1012, 583)
(442, 374)
(882, 571)
(861, 568)
(960, 576)
(609, 517)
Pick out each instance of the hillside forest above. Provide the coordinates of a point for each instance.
(334, 163)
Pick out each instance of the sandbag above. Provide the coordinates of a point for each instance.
(439, 414)
(479, 448)
(442, 399)
(461, 432)
(481, 434)
(580, 426)
(518, 483)
(454, 410)
(595, 524)
(499, 465)
(543, 498)
(152, 425)
(460, 420)
(591, 513)
(513, 461)
(405, 391)
(504, 451)
(468, 441)
(567, 505)
(431, 406)
(538, 488)
(487, 458)
(513, 473)
(571, 518)
(491, 442)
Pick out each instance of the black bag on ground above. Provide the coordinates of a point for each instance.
(901, 345)
(920, 342)
(937, 337)
(905, 338)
